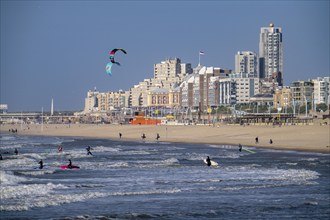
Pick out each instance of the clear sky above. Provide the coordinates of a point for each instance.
(59, 49)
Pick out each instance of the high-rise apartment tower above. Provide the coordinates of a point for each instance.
(270, 52)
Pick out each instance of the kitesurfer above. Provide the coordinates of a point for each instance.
(89, 150)
(240, 147)
(41, 164)
(208, 161)
(70, 164)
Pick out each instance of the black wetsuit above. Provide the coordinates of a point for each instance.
(41, 164)
(208, 161)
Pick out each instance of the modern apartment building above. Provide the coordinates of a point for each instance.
(302, 91)
(270, 51)
(246, 87)
(247, 62)
(91, 102)
(227, 91)
(108, 101)
(321, 90)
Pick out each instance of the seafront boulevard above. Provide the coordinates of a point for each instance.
(314, 137)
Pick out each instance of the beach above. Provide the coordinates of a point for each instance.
(313, 137)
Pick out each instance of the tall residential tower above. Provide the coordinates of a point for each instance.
(271, 52)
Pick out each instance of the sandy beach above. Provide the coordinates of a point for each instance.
(315, 138)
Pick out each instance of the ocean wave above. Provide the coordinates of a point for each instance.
(8, 178)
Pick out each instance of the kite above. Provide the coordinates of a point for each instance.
(112, 59)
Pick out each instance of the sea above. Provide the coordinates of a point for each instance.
(158, 180)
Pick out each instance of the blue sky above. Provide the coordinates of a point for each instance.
(59, 49)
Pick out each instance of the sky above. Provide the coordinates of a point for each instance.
(59, 49)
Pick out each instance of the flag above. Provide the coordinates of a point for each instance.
(201, 52)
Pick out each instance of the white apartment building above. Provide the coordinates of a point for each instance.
(91, 103)
(270, 51)
(168, 74)
(321, 90)
(247, 62)
(246, 87)
(227, 91)
(108, 101)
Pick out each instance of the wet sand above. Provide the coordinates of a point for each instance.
(314, 138)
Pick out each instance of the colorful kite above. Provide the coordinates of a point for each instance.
(112, 59)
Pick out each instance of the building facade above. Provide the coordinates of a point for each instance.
(270, 51)
(321, 91)
(247, 62)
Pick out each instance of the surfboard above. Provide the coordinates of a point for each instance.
(67, 167)
(250, 151)
(213, 163)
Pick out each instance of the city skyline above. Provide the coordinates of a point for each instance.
(45, 56)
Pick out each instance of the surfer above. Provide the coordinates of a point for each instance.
(60, 149)
(208, 161)
(41, 164)
(16, 151)
(70, 164)
(240, 147)
(89, 150)
(1, 157)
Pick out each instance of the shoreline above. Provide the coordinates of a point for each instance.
(308, 138)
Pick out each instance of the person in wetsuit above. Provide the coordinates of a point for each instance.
(89, 150)
(208, 161)
(239, 147)
(70, 164)
(41, 164)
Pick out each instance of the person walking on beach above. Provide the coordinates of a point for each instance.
(208, 161)
(120, 135)
(239, 147)
(89, 150)
(271, 141)
(143, 136)
(41, 164)
(257, 140)
(158, 136)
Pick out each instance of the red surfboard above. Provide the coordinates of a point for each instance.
(67, 167)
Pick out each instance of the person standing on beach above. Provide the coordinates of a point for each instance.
(271, 141)
(158, 136)
(143, 136)
(257, 140)
(120, 135)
